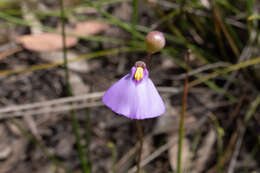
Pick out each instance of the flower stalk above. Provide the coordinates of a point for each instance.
(147, 59)
(140, 134)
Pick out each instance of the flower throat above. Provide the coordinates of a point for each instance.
(139, 73)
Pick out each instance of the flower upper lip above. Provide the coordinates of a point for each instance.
(140, 64)
(139, 74)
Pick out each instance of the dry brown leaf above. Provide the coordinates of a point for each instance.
(45, 42)
(147, 147)
(204, 152)
(90, 27)
(173, 152)
(10, 51)
(169, 122)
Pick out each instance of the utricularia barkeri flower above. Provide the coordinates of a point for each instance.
(135, 95)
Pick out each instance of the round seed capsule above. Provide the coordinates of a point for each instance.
(155, 42)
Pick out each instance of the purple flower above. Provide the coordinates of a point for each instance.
(135, 95)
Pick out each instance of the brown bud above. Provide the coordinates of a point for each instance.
(155, 42)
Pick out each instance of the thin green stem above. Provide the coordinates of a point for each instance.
(88, 138)
(75, 122)
(220, 133)
(65, 60)
(83, 160)
(135, 14)
(183, 114)
(140, 134)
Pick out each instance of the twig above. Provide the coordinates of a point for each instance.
(10, 51)
(235, 112)
(7, 46)
(52, 105)
(224, 29)
(200, 69)
(231, 167)
(62, 104)
(230, 68)
(128, 157)
(59, 109)
(79, 102)
(245, 55)
(252, 109)
(152, 156)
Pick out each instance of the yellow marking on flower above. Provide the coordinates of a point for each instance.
(139, 73)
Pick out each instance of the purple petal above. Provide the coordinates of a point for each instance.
(150, 103)
(134, 100)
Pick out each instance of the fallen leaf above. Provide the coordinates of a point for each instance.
(173, 153)
(77, 85)
(90, 27)
(45, 42)
(204, 152)
(169, 123)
